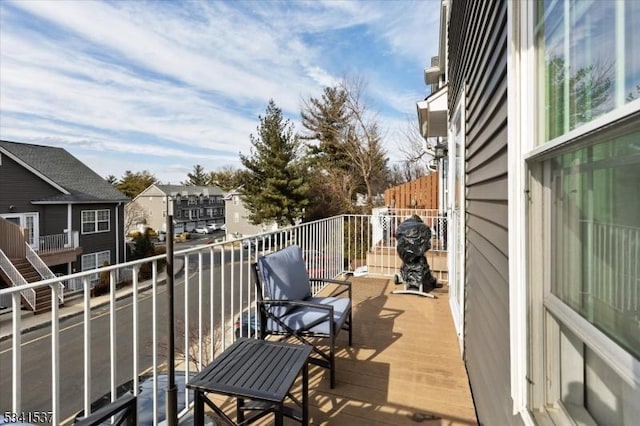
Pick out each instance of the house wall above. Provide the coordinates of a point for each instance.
(54, 219)
(19, 186)
(236, 211)
(100, 241)
(477, 44)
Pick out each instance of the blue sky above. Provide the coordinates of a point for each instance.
(164, 85)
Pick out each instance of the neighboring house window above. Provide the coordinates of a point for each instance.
(236, 217)
(179, 213)
(192, 199)
(236, 200)
(210, 212)
(93, 261)
(586, 172)
(94, 221)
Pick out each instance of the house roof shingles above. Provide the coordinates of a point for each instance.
(186, 190)
(62, 168)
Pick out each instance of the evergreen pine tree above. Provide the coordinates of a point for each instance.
(198, 177)
(274, 186)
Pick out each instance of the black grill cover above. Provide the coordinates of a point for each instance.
(413, 238)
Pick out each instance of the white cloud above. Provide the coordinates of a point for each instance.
(174, 82)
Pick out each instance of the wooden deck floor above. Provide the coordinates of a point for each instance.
(404, 366)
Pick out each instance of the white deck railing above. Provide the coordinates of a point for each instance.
(43, 269)
(614, 271)
(17, 280)
(213, 287)
(58, 242)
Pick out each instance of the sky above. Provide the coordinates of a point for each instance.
(165, 85)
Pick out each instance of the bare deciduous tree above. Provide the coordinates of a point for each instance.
(362, 141)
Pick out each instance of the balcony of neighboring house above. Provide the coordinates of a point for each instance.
(53, 249)
(403, 367)
(59, 248)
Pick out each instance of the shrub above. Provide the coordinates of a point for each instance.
(102, 286)
(145, 268)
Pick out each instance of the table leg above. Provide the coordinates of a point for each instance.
(198, 408)
(305, 394)
(279, 417)
(240, 409)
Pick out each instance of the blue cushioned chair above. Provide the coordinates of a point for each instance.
(288, 309)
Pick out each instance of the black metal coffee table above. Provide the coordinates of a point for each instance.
(260, 371)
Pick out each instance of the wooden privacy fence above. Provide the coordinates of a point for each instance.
(421, 193)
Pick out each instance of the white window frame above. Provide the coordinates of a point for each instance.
(97, 262)
(535, 313)
(95, 221)
(520, 128)
(456, 222)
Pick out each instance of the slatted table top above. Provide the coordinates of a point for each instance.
(254, 369)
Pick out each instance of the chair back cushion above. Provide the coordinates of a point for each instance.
(285, 276)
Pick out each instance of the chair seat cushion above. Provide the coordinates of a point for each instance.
(301, 317)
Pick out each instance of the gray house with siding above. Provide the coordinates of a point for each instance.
(543, 167)
(69, 215)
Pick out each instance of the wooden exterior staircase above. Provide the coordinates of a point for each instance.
(43, 294)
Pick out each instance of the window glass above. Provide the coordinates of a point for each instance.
(595, 236)
(93, 261)
(589, 62)
(95, 221)
(632, 56)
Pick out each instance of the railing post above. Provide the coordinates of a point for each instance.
(171, 393)
(17, 354)
(55, 356)
(87, 345)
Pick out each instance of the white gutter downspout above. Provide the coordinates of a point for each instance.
(117, 235)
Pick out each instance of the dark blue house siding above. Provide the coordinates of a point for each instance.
(478, 64)
(19, 186)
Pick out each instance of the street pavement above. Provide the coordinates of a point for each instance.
(72, 307)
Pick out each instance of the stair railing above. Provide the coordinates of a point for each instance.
(17, 279)
(43, 270)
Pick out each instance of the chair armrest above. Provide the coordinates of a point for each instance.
(301, 303)
(344, 283)
(125, 404)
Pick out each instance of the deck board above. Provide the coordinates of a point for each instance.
(404, 366)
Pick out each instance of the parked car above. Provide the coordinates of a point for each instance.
(162, 236)
(213, 227)
(201, 230)
(145, 398)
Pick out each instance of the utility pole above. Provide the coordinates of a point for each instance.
(171, 401)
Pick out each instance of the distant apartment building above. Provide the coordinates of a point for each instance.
(236, 218)
(192, 206)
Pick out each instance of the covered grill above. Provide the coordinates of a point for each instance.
(413, 238)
